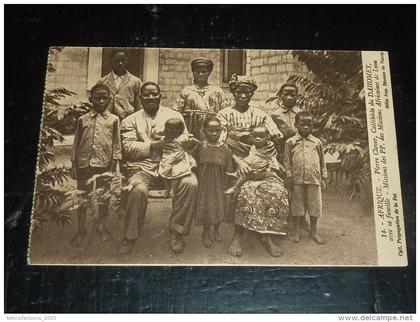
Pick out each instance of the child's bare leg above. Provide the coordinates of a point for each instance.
(272, 248)
(81, 234)
(235, 248)
(217, 232)
(314, 234)
(305, 224)
(207, 241)
(102, 230)
(236, 188)
(296, 234)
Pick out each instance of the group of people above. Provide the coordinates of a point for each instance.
(218, 162)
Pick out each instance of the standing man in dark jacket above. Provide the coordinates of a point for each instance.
(125, 87)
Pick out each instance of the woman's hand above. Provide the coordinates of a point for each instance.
(277, 138)
(239, 135)
(243, 169)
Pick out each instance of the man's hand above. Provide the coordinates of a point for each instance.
(157, 145)
(192, 140)
(73, 171)
(189, 142)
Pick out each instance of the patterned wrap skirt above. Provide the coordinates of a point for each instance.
(263, 206)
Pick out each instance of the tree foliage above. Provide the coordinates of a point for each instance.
(335, 96)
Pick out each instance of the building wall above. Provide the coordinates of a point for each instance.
(271, 69)
(71, 66)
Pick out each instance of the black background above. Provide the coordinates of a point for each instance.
(30, 30)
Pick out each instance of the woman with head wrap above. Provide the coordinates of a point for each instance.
(200, 99)
(261, 205)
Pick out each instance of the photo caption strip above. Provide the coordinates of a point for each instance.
(388, 210)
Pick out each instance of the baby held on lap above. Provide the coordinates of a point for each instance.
(262, 160)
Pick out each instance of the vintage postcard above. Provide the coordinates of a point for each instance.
(177, 156)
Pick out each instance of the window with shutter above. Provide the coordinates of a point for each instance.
(233, 62)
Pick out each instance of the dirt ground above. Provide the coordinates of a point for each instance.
(348, 228)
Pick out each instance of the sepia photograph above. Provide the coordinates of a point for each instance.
(182, 156)
(210, 158)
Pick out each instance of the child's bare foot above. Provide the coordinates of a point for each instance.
(272, 248)
(294, 237)
(318, 239)
(207, 241)
(78, 239)
(235, 248)
(217, 233)
(231, 191)
(104, 233)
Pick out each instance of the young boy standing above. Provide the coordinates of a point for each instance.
(284, 110)
(306, 173)
(96, 149)
(125, 87)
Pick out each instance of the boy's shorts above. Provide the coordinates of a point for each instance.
(306, 197)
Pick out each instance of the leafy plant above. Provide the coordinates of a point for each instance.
(334, 94)
(60, 117)
(50, 189)
(109, 193)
